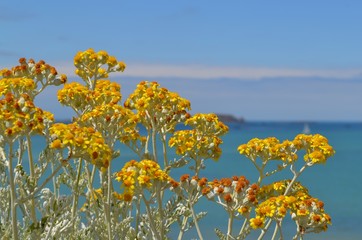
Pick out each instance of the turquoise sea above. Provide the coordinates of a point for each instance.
(337, 183)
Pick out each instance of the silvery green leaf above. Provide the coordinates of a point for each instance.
(179, 163)
(116, 154)
(220, 234)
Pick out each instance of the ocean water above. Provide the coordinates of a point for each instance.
(337, 183)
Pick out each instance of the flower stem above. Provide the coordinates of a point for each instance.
(32, 176)
(150, 218)
(160, 211)
(76, 193)
(195, 221)
(182, 230)
(243, 227)
(230, 226)
(164, 146)
(14, 220)
(108, 205)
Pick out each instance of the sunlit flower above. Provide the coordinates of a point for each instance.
(82, 142)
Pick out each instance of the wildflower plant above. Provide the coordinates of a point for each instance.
(71, 190)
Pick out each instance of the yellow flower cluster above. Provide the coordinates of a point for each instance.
(136, 176)
(96, 65)
(116, 120)
(82, 142)
(40, 72)
(275, 207)
(309, 214)
(207, 123)
(306, 211)
(278, 188)
(202, 141)
(19, 116)
(17, 86)
(317, 147)
(81, 98)
(263, 148)
(195, 145)
(157, 106)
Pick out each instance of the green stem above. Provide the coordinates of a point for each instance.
(22, 200)
(138, 213)
(154, 147)
(183, 226)
(76, 192)
(230, 226)
(243, 228)
(275, 230)
(296, 175)
(54, 181)
(164, 147)
(32, 176)
(195, 221)
(108, 205)
(264, 230)
(150, 218)
(160, 211)
(14, 220)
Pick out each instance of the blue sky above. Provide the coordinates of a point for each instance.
(261, 60)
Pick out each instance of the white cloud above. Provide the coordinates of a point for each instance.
(210, 72)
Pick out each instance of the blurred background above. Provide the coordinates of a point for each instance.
(281, 60)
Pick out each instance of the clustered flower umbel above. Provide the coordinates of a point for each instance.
(82, 142)
(157, 107)
(316, 147)
(83, 99)
(136, 176)
(91, 64)
(18, 87)
(307, 212)
(117, 121)
(20, 117)
(41, 73)
(201, 141)
(235, 194)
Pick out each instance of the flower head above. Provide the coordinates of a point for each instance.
(83, 142)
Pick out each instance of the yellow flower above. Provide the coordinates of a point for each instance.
(136, 176)
(257, 222)
(83, 142)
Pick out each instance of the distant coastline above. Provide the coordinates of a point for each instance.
(229, 118)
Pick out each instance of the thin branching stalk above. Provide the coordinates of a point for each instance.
(108, 204)
(160, 210)
(295, 176)
(243, 227)
(32, 176)
(154, 141)
(183, 226)
(38, 189)
(265, 229)
(230, 225)
(138, 213)
(150, 218)
(195, 221)
(14, 220)
(76, 192)
(164, 148)
(54, 181)
(278, 228)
